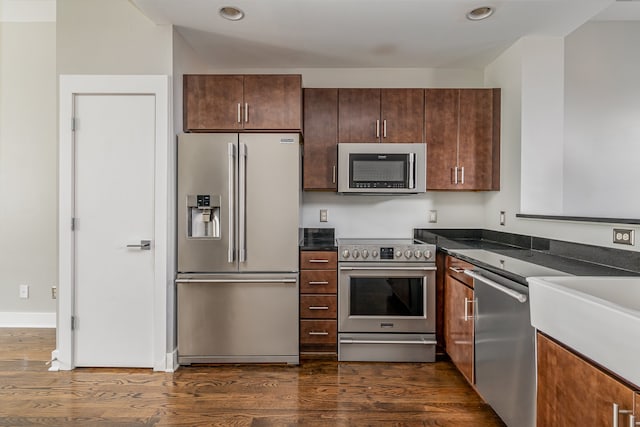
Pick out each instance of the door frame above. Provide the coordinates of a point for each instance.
(69, 87)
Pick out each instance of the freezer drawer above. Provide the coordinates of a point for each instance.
(238, 319)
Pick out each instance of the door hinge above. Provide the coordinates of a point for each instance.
(74, 224)
(73, 323)
(73, 124)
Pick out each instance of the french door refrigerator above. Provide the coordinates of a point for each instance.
(237, 285)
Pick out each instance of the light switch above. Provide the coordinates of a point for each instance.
(323, 215)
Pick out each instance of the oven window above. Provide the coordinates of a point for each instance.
(391, 296)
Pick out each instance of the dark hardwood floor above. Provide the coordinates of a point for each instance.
(316, 393)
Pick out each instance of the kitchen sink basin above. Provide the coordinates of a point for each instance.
(598, 317)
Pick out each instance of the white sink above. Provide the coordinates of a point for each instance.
(598, 317)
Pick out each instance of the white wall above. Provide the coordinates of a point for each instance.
(602, 115)
(28, 172)
(110, 37)
(185, 61)
(507, 72)
(542, 116)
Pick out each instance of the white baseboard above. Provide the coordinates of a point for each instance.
(10, 319)
(172, 361)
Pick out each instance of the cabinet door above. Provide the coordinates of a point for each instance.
(211, 102)
(359, 115)
(402, 115)
(573, 392)
(441, 125)
(479, 144)
(272, 102)
(458, 328)
(320, 139)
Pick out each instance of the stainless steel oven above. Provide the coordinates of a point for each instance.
(386, 300)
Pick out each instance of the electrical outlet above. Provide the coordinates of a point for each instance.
(323, 215)
(503, 217)
(433, 216)
(54, 292)
(24, 291)
(623, 236)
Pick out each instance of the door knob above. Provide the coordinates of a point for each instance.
(145, 245)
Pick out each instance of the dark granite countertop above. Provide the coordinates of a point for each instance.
(565, 257)
(317, 239)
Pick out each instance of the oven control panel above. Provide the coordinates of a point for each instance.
(359, 251)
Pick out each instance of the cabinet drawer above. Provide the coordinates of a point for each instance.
(318, 281)
(318, 332)
(318, 260)
(318, 306)
(454, 268)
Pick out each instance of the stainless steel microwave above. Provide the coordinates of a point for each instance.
(382, 168)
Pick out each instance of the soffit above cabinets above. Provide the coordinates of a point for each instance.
(364, 33)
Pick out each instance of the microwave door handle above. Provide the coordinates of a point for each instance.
(411, 171)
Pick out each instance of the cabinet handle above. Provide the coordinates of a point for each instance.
(246, 112)
(617, 411)
(455, 175)
(318, 333)
(333, 179)
(239, 113)
(632, 421)
(384, 128)
(462, 169)
(377, 128)
(319, 308)
(318, 283)
(457, 269)
(321, 261)
(466, 309)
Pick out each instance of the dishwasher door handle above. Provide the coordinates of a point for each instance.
(522, 298)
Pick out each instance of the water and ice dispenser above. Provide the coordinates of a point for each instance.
(203, 216)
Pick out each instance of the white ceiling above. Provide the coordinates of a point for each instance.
(366, 33)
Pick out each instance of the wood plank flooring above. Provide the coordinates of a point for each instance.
(316, 393)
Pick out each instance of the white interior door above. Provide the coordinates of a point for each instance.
(114, 207)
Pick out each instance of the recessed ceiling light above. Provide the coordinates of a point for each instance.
(231, 13)
(480, 13)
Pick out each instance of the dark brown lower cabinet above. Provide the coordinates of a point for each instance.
(574, 392)
(318, 304)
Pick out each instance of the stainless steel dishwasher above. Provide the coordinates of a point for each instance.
(504, 348)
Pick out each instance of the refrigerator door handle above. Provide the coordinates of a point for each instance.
(232, 207)
(242, 194)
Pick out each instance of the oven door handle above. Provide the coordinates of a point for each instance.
(388, 268)
(357, 341)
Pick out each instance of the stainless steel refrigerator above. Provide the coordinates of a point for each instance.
(237, 284)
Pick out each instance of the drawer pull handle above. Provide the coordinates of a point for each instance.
(321, 261)
(318, 283)
(319, 308)
(457, 269)
(318, 333)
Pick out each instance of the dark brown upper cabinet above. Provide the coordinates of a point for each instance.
(320, 139)
(242, 102)
(463, 139)
(381, 115)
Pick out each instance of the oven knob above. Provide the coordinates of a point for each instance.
(365, 253)
(374, 254)
(398, 254)
(427, 254)
(408, 253)
(345, 253)
(356, 254)
(418, 253)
